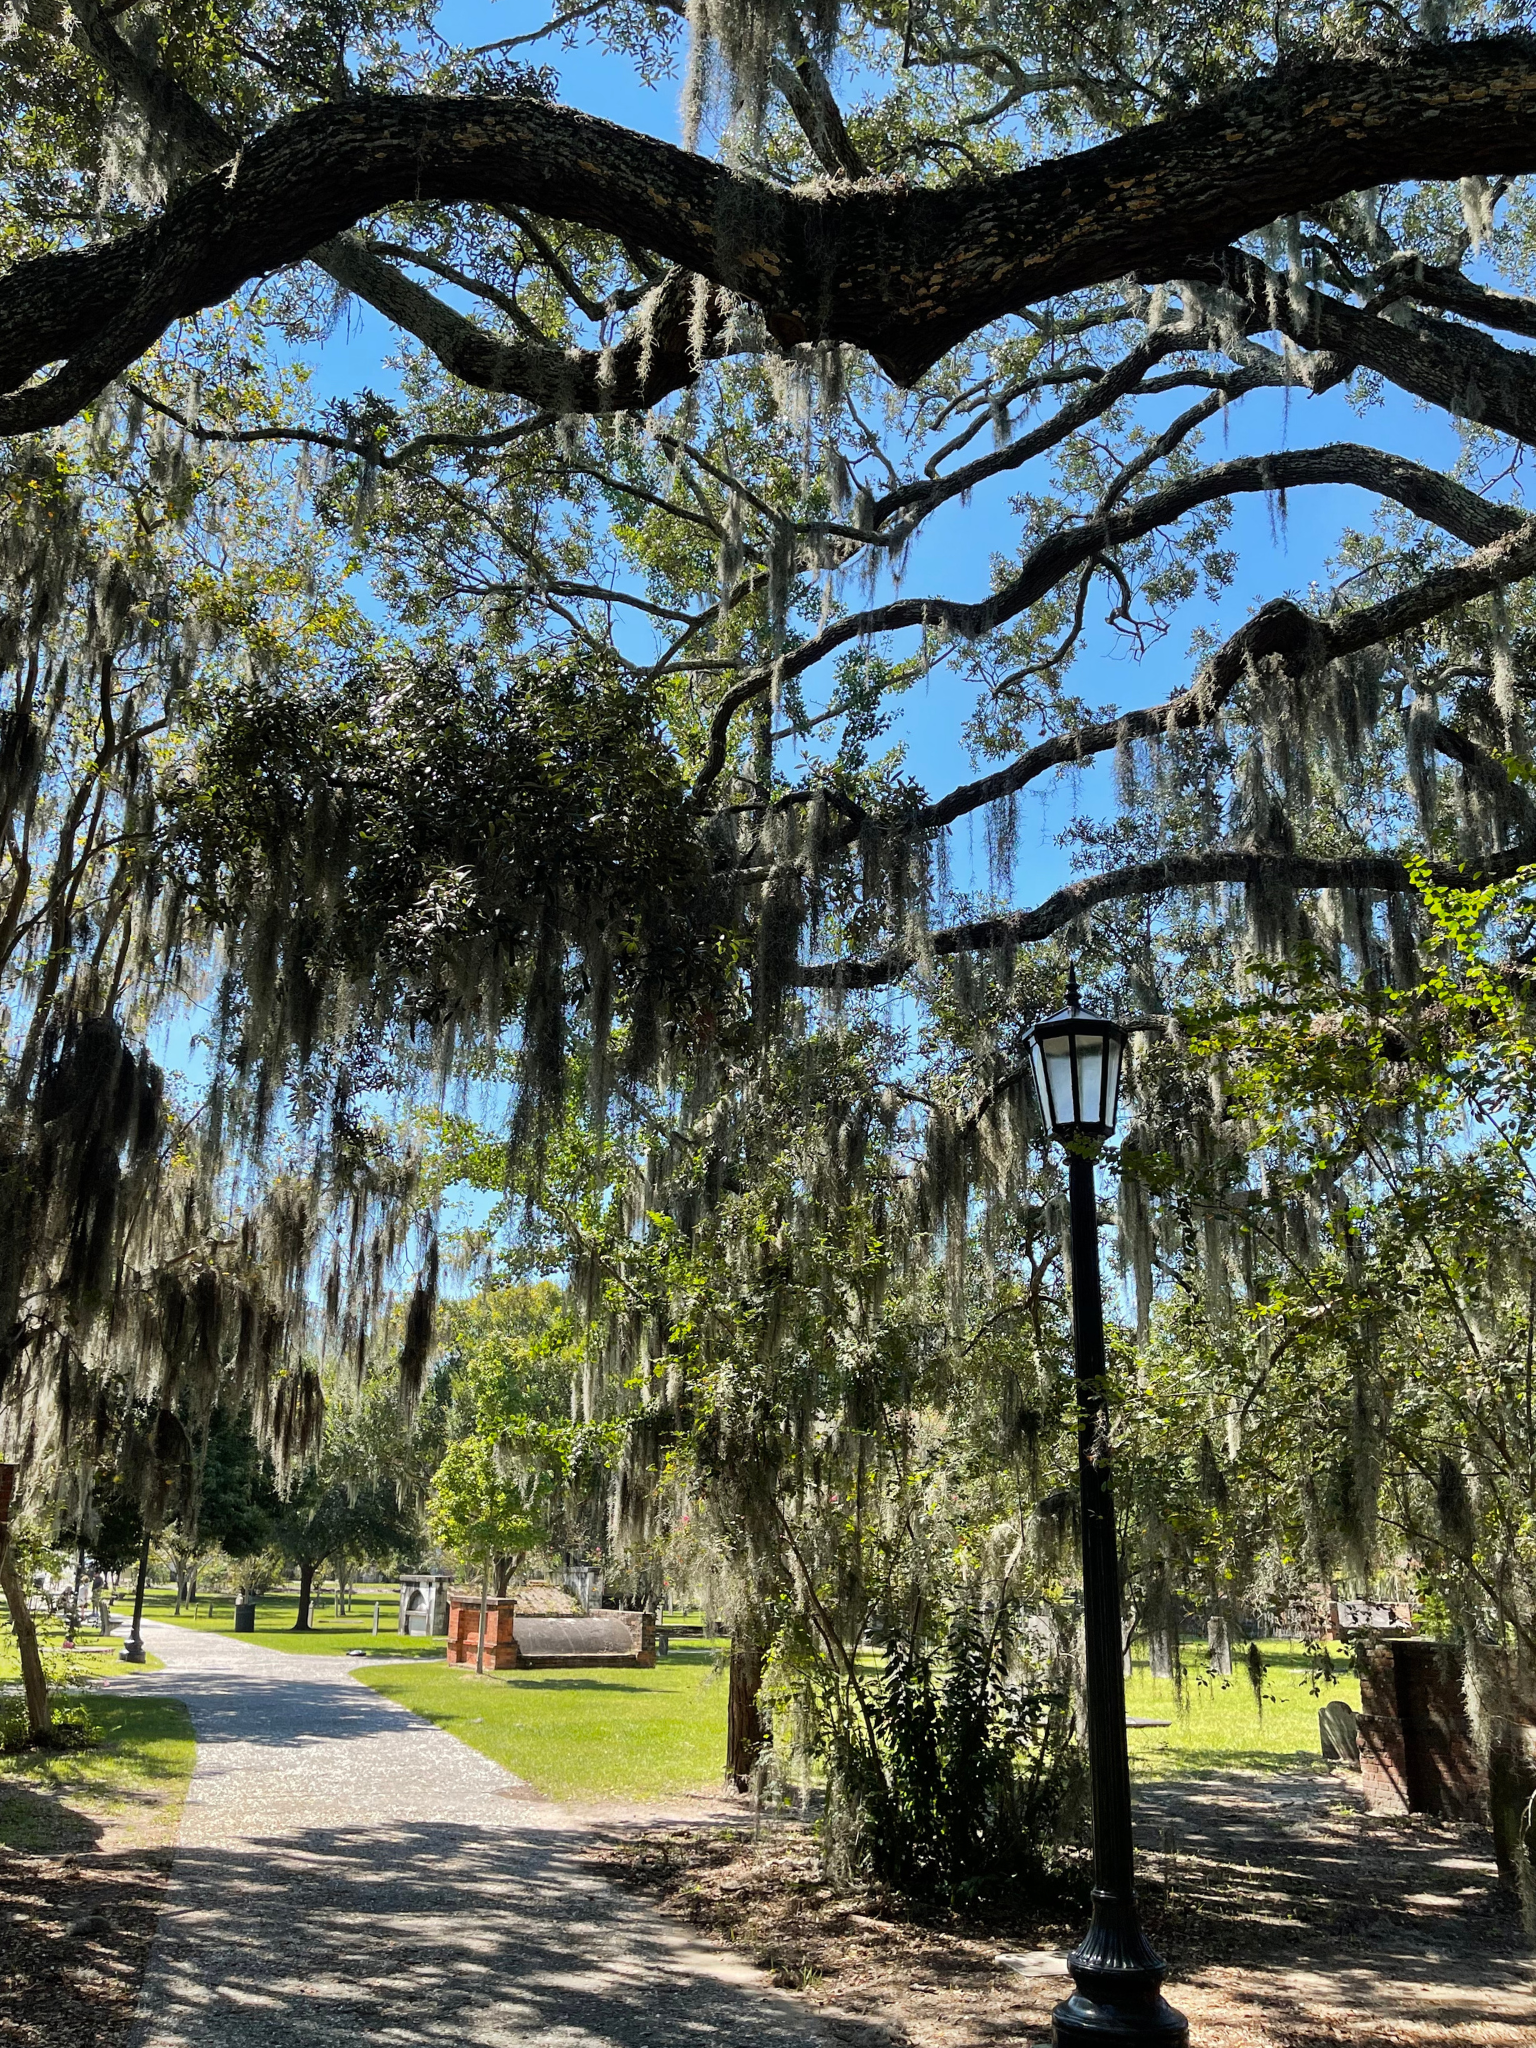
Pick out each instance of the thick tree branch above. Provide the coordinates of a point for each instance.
(637, 373)
(1380, 874)
(1430, 284)
(1452, 366)
(902, 273)
(809, 98)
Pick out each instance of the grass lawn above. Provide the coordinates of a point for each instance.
(276, 1613)
(93, 1655)
(58, 1800)
(1220, 1728)
(652, 1734)
(624, 1734)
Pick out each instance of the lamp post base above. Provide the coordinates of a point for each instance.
(1082, 2021)
(1119, 1979)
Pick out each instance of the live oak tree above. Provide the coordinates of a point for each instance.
(157, 1259)
(666, 437)
(909, 251)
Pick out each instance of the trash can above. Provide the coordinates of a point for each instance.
(245, 1617)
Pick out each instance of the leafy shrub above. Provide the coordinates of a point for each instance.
(956, 1782)
(72, 1728)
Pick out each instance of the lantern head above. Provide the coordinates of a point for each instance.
(1076, 1060)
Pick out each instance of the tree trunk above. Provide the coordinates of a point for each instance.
(480, 1645)
(744, 1726)
(306, 1593)
(503, 1569)
(33, 1684)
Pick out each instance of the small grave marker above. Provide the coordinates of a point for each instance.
(1338, 1734)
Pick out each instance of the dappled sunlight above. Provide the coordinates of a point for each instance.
(1343, 1912)
(341, 1857)
(470, 1933)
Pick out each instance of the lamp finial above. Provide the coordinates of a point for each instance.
(1072, 985)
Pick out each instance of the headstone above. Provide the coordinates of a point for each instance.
(1160, 1653)
(1338, 1734)
(1219, 1638)
(375, 1617)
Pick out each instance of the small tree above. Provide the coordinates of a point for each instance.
(325, 1518)
(486, 1505)
(184, 1553)
(238, 1504)
(487, 1502)
(16, 1554)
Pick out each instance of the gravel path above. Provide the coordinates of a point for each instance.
(345, 1870)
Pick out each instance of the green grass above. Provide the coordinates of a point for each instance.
(57, 1800)
(276, 1613)
(625, 1734)
(579, 1735)
(1220, 1729)
(94, 1655)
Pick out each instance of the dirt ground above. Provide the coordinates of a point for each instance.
(77, 1919)
(1288, 1918)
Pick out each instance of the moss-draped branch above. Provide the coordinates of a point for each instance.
(902, 272)
(1232, 867)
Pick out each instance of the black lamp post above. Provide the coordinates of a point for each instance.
(1118, 1975)
(132, 1651)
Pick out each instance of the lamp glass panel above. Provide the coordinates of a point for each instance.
(1090, 1077)
(1042, 1088)
(1058, 1074)
(1112, 1082)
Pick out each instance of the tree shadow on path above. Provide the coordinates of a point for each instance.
(436, 1932)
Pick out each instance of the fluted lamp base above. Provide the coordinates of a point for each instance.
(1082, 2021)
(1119, 1996)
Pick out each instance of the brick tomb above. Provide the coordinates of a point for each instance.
(612, 1636)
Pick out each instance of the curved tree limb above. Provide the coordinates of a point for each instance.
(1443, 361)
(1430, 284)
(809, 98)
(1379, 873)
(1279, 634)
(904, 273)
(1427, 493)
(638, 372)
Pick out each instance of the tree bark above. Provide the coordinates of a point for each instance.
(306, 1594)
(903, 274)
(34, 1685)
(744, 1726)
